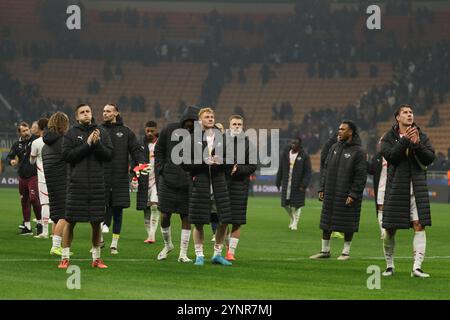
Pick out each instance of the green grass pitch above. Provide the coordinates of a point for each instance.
(272, 261)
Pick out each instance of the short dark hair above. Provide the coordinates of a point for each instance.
(42, 123)
(113, 105)
(399, 109)
(236, 116)
(81, 105)
(297, 138)
(22, 124)
(150, 124)
(352, 126)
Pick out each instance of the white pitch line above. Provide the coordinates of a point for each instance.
(246, 260)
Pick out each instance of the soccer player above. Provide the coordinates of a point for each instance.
(237, 174)
(209, 187)
(36, 158)
(28, 182)
(378, 168)
(173, 184)
(408, 152)
(55, 169)
(85, 147)
(294, 175)
(323, 156)
(147, 190)
(342, 184)
(125, 143)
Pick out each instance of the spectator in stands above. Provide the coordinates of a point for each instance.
(238, 110)
(157, 109)
(373, 70)
(435, 120)
(275, 113)
(181, 107)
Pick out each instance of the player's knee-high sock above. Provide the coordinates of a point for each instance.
(419, 245)
(380, 222)
(147, 223)
(388, 248)
(45, 217)
(155, 214)
(184, 244)
(290, 214)
(325, 245)
(167, 236)
(296, 215)
(233, 245)
(347, 245)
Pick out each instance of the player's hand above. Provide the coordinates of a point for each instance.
(234, 169)
(14, 162)
(144, 168)
(349, 201)
(321, 196)
(89, 139)
(134, 184)
(96, 136)
(415, 138)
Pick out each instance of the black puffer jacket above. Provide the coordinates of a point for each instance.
(142, 193)
(344, 174)
(403, 158)
(374, 167)
(55, 169)
(324, 152)
(301, 176)
(116, 171)
(22, 150)
(239, 181)
(202, 177)
(172, 180)
(86, 185)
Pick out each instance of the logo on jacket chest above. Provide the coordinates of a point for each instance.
(80, 137)
(119, 134)
(347, 155)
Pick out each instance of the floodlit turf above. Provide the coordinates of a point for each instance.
(272, 261)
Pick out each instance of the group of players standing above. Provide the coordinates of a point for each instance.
(400, 184)
(83, 176)
(95, 160)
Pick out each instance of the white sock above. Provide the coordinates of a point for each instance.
(45, 217)
(28, 225)
(95, 253)
(65, 253)
(218, 249)
(154, 221)
(40, 220)
(56, 241)
(388, 248)
(233, 245)
(184, 244)
(347, 245)
(147, 223)
(296, 215)
(199, 250)
(167, 235)
(325, 245)
(290, 213)
(419, 245)
(115, 240)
